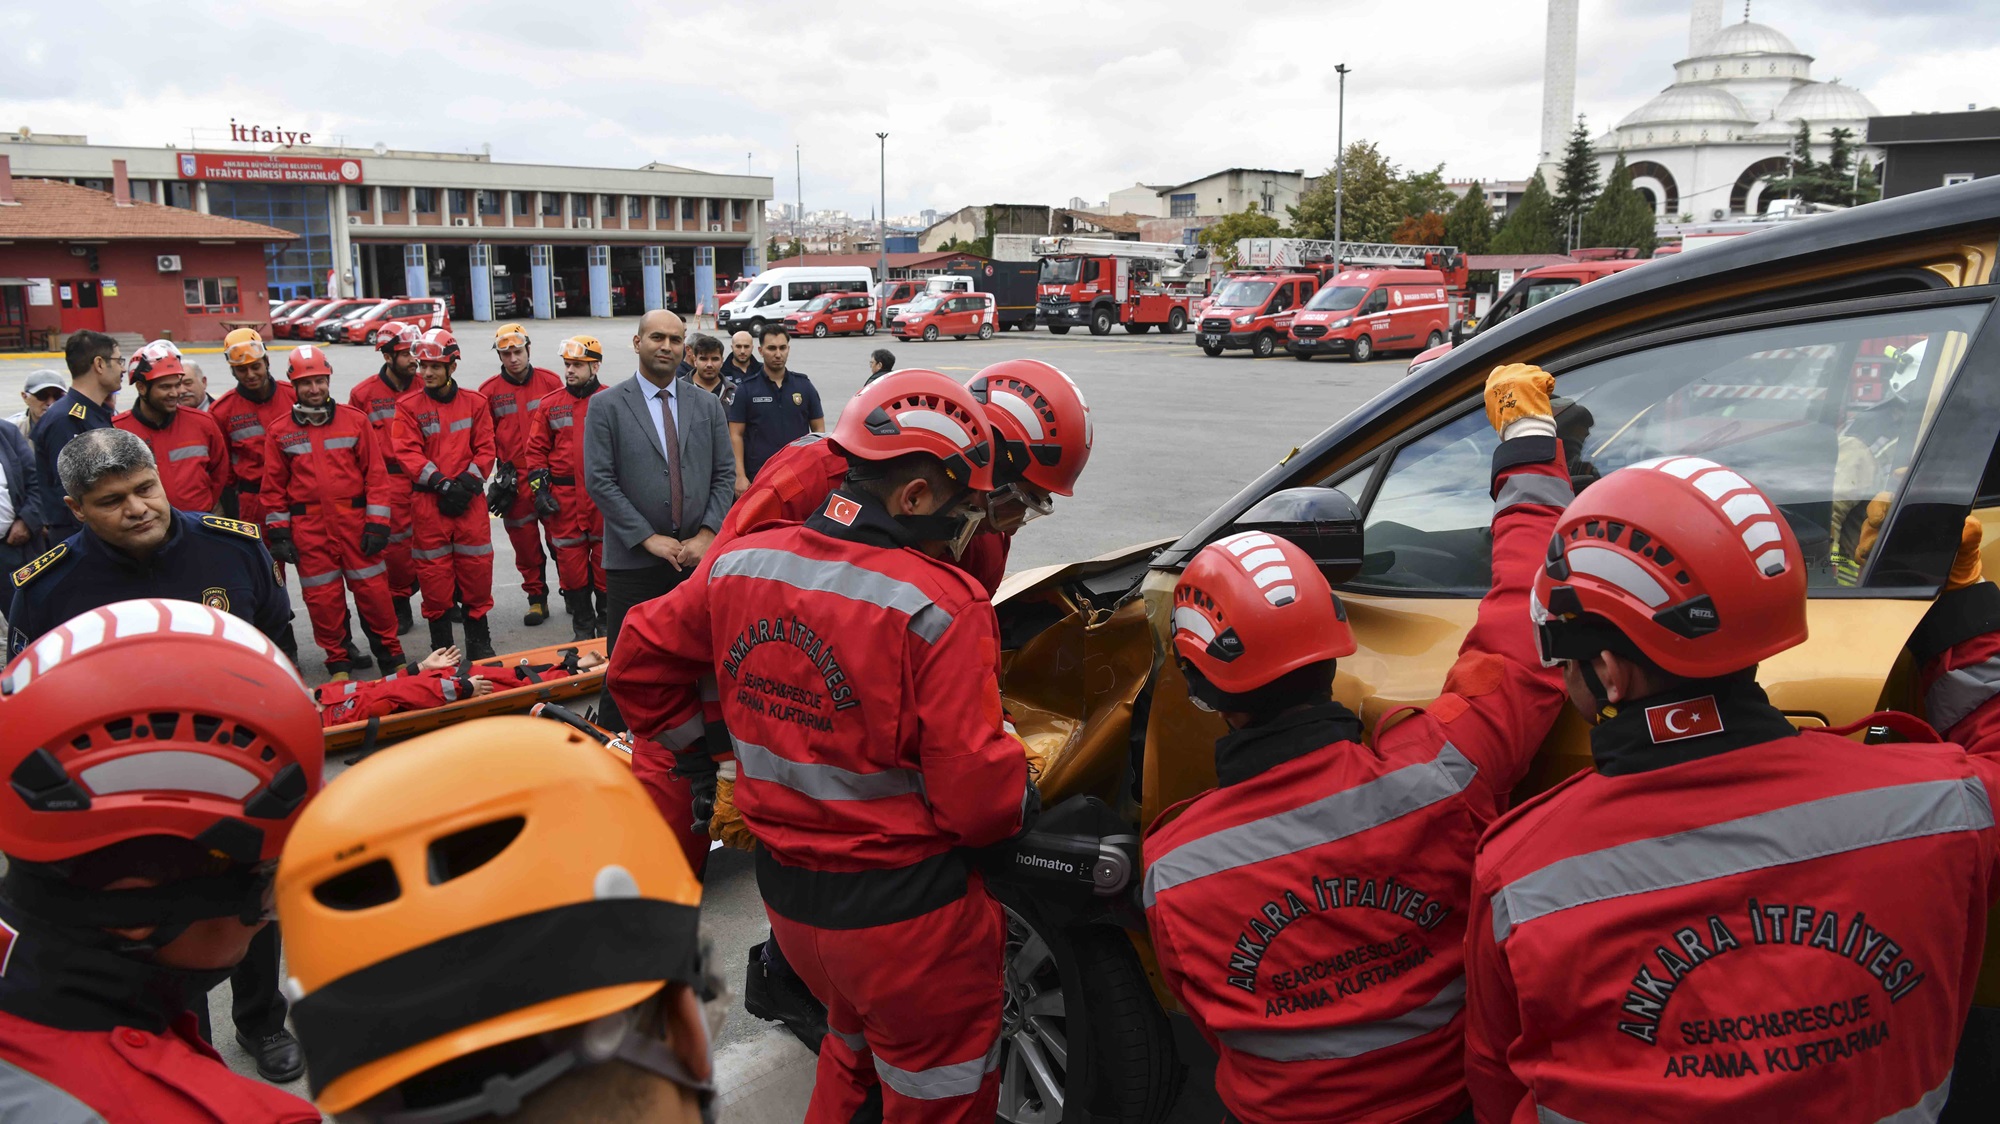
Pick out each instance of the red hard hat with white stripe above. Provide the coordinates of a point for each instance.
(1253, 607)
(154, 717)
(308, 362)
(1683, 558)
(1041, 424)
(157, 360)
(919, 411)
(436, 346)
(397, 336)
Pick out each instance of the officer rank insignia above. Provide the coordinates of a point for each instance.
(27, 573)
(216, 597)
(247, 530)
(76, 411)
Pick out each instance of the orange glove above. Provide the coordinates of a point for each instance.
(1967, 569)
(1871, 527)
(726, 823)
(1517, 391)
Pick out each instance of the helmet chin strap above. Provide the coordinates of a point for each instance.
(1597, 692)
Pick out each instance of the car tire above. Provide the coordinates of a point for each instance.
(756, 329)
(1101, 321)
(1059, 329)
(1213, 350)
(369, 339)
(819, 331)
(1026, 323)
(1364, 349)
(1436, 338)
(931, 334)
(1176, 321)
(868, 328)
(1137, 329)
(986, 331)
(1303, 356)
(1264, 346)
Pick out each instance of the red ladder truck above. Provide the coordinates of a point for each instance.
(1100, 282)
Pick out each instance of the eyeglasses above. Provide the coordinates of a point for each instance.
(49, 396)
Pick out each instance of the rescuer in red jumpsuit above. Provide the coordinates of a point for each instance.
(194, 463)
(1309, 912)
(326, 503)
(444, 441)
(376, 397)
(246, 415)
(516, 396)
(138, 868)
(553, 471)
(1732, 918)
(433, 683)
(856, 674)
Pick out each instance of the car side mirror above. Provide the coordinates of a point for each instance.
(1323, 522)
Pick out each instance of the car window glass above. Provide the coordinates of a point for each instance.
(1283, 300)
(1378, 301)
(771, 296)
(1545, 290)
(1821, 416)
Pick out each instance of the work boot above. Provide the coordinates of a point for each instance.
(478, 641)
(538, 609)
(440, 634)
(772, 991)
(582, 618)
(603, 608)
(405, 619)
(390, 661)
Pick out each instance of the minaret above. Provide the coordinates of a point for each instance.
(1704, 23)
(1558, 87)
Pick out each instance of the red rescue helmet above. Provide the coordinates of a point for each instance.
(436, 346)
(397, 336)
(1252, 607)
(109, 738)
(919, 411)
(307, 362)
(1681, 558)
(157, 360)
(1041, 424)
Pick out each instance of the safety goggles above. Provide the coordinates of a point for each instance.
(505, 340)
(1011, 505)
(578, 350)
(970, 519)
(244, 353)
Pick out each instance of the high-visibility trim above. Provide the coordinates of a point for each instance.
(428, 429)
(506, 411)
(570, 542)
(340, 442)
(378, 510)
(1958, 693)
(1349, 812)
(382, 414)
(314, 581)
(246, 433)
(365, 572)
(1927, 1108)
(403, 535)
(842, 579)
(1815, 829)
(38, 1099)
(1545, 1115)
(298, 450)
(521, 522)
(430, 470)
(854, 1042)
(430, 555)
(187, 453)
(685, 734)
(1527, 487)
(1355, 1040)
(473, 551)
(461, 424)
(279, 518)
(563, 422)
(940, 1082)
(824, 782)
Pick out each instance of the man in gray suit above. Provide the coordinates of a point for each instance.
(658, 463)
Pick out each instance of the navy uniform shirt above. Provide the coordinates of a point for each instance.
(72, 414)
(772, 416)
(207, 558)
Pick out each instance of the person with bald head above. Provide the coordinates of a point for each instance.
(658, 465)
(742, 362)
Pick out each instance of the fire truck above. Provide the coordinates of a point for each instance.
(1316, 255)
(1099, 282)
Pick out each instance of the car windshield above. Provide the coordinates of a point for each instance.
(884, 288)
(1244, 294)
(751, 294)
(818, 303)
(1060, 271)
(1338, 299)
(923, 304)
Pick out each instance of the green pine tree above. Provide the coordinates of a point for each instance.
(1532, 228)
(1577, 180)
(1469, 223)
(1620, 216)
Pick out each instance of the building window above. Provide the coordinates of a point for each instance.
(210, 294)
(604, 208)
(95, 185)
(1953, 179)
(357, 198)
(427, 200)
(524, 203)
(715, 210)
(455, 197)
(1181, 206)
(597, 255)
(688, 211)
(142, 191)
(392, 200)
(180, 194)
(663, 208)
(552, 202)
(736, 210)
(489, 202)
(579, 206)
(635, 206)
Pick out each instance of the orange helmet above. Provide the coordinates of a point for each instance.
(509, 335)
(919, 411)
(308, 362)
(243, 347)
(1253, 607)
(157, 360)
(583, 349)
(489, 882)
(1041, 424)
(436, 346)
(397, 336)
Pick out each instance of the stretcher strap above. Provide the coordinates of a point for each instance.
(527, 671)
(367, 739)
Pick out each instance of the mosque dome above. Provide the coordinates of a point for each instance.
(1689, 105)
(1748, 38)
(1825, 101)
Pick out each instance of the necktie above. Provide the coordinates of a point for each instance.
(673, 436)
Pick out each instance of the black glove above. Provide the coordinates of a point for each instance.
(279, 540)
(543, 487)
(699, 768)
(374, 538)
(453, 498)
(501, 494)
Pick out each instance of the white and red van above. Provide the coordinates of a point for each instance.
(1362, 311)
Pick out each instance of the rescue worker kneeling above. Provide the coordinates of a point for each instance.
(147, 801)
(1731, 918)
(491, 921)
(857, 675)
(1309, 913)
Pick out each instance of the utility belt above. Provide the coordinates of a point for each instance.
(861, 899)
(395, 467)
(563, 481)
(312, 508)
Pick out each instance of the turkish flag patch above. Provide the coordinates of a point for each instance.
(8, 935)
(842, 510)
(1694, 718)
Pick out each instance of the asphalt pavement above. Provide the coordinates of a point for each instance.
(1177, 433)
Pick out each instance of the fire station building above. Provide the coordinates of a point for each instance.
(500, 241)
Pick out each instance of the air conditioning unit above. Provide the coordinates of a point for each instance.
(461, 222)
(354, 220)
(714, 226)
(583, 224)
(169, 263)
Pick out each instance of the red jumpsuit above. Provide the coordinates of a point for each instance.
(517, 415)
(577, 530)
(326, 484)
(1747, 923)
(376, 398)
(194, 462)
(1309, 913)
(127, 1074)
(245, 424)
(352, 700)
(857, 678)
(438, 440)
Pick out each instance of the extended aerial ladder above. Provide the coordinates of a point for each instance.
(1308, 253)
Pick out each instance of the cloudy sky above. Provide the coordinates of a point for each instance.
(984, 102)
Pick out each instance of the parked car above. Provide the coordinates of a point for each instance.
(957, 315)
(1544, 282)
(307, 327)
(281, 325)
(425, 312)
(334, 327)
(834, 314)
(1766, 353)
(1360, 312)
(891, 296)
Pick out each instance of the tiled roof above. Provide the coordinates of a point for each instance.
(50, 210)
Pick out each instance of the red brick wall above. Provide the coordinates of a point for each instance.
(148, 302)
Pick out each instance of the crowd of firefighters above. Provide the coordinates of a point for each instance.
(1727, 916)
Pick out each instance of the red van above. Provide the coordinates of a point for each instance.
(891, 295)
(1255, 311)
(425, 312)
(281, 326)
(957, 315)
(1363, 311)
(834, 314)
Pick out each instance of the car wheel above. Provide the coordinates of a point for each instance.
(1100, 322)
(1176, 321)
(1364, 349)
(986, 331)
(1137, 329)
(1081, 1036)
(1059, 329)
(369, 339)
(819, 331)
(1026, 323)
(757, 329)
(1265, 345)
(1214, 350)
(930, 334)
(868, 328)
(1436, 338)
(1302, 356)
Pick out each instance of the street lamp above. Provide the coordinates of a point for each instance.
(882, 216)
(1339, 165)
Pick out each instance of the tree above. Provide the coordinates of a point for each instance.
(778, 251)
(1424, 192)
(1870, 186)
(1374, 203)
(1221, 236)
(1621, 216)
(1426, 229)
(1469, 223)
(1532, 228)
(1810, 181)
(1577, 181)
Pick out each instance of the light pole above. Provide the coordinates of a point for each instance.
(882, 216)
(1339, 166)
(798, 186)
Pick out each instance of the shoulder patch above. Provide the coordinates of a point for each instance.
(27, 573)
(76, 411)
(234, 526)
